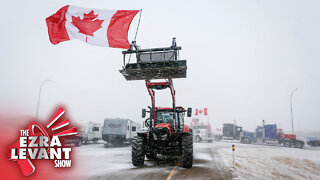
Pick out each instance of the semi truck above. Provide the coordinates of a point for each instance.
(202, 133)
(270, 134)
(231, 131)
(116, 131)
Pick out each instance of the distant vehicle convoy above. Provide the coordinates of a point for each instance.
(119, 131)
(265, 134)
(270, 134)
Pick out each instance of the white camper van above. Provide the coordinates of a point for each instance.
(91, 132)
(119, 131)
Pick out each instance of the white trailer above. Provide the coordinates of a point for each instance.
(88, 132)
(91, 132)
(118, 131)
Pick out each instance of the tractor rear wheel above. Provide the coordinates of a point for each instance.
(137, 153)
(187, 151)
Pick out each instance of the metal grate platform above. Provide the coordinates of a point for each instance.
(155, 70)
(154, 63)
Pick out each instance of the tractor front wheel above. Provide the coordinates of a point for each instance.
(137, 153)
(187, 151)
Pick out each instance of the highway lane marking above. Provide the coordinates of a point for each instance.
(172, 172)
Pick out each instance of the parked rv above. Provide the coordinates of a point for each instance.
(119, 131)
(91, 132)
(87, 132)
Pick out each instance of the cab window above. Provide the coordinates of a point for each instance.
(165, 117)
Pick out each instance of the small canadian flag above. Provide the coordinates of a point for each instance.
(202, 111)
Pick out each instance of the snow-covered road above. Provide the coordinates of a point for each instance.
(211, 161)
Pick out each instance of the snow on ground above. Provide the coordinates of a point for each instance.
(94, 161)
(211, 161)
(272, 162)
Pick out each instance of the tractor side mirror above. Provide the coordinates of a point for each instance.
(189, 112)
(144, 113)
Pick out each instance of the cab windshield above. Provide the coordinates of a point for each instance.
(167, 117)
(164, 117)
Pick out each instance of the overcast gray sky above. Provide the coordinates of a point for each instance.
(244, 59)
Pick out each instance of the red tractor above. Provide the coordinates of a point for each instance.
(166, 133)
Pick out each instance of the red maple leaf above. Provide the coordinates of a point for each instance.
(87, 25)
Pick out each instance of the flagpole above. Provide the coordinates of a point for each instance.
(135, 36)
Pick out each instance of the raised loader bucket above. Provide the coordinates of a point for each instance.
(155, 70)
(156, 63)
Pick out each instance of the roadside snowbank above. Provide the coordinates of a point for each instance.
(269, 162)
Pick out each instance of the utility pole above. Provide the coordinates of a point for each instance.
(291, 108)
(43, 82)
(234, 128)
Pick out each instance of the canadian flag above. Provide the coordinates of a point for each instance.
(108, 28)
(203, 111)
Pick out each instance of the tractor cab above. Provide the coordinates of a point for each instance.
(164, 115)
(167, 118)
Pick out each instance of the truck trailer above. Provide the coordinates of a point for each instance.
(231, 131)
